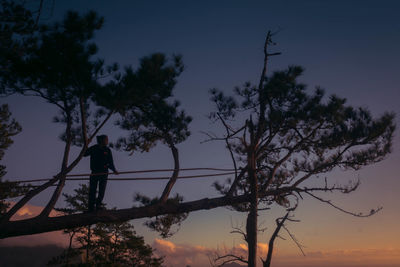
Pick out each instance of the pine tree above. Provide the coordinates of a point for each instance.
(9, 127)
(280, 136)
(112, 244)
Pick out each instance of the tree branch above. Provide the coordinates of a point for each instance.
(172, 180)
(57, 177)
(47, 224)
(279, 224)
(372, 212)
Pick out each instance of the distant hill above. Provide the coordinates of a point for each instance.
(21, 256)
(39, 256)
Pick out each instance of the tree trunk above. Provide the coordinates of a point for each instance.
(88, 244)
(251, 224)
(279, 224)
(71, 237)
(251, 230)
(6, 217)
(171, 182)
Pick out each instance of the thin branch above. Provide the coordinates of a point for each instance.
(238, 230)
(39, 12)
(300, 246)
(17, 206)
(100, 126)
(228, 258)
(372, 212)
(83, 121)
(228, 145)
(57, 192)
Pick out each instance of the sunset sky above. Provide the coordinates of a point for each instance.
(350, 48)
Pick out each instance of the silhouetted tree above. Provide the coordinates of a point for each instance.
(9, 127)
(160, 122)
(219, 259)
(74, 204)
(60, 66)
(114, 244)
(17, 25)
(280, 136)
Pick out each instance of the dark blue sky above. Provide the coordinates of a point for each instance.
(351, 48)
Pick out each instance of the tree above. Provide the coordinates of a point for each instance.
(8, 128)
(118, 244)
(59, 66)
(82, 235)
(162, 122)
(113, 244)
(279, 137)
(18, 27)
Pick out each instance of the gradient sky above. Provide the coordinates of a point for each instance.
(350, 48)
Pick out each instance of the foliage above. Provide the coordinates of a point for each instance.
(157, 119)
(8, 128)
(301, 135)
(60, 65)
(280, 136)
(166, 225)
(16, 28)
(114, 244)
(118, 244)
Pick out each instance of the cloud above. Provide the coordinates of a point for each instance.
(24, 212)
(241, 249)
(50, 238)
(349, 258)
(181, 254)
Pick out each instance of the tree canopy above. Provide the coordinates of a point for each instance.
(9, 127)
(281, 136)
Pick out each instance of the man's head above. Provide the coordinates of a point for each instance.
(102, 140)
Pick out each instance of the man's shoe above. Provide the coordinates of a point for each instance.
(101, 207)
(90, 210)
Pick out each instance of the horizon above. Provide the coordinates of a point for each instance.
(350, 49)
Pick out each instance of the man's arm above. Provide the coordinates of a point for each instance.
(111, 162)
(88, 151)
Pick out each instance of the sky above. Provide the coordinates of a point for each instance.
(350, 48)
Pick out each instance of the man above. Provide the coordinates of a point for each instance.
(100, 161)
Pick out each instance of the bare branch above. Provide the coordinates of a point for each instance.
(100, 126)
(300, 246)
(362, 215)
(228, 258)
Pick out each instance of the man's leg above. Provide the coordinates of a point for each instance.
(92, 191)
(102, 190)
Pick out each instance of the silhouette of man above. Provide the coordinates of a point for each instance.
(100, 161)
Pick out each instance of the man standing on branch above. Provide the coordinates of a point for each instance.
(100, 161)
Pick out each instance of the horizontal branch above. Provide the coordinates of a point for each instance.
(41, 225)
(47, 224)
